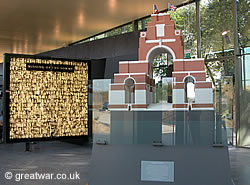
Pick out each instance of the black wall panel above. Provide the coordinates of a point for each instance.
(98, 68)
(112, 64)
(104, 54)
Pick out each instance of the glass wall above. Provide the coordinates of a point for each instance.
(216, 26)
(159, 123)
(244, 127)
(221, 73)
(184, 18)
(217, 40)
(101, 113)
(218, 50)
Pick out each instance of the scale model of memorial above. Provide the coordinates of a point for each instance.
(133, 90)
(160, 37)
(136, 152)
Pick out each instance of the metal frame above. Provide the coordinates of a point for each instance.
(238, 73)
(220, 58)
(198, 28)
(6, 100)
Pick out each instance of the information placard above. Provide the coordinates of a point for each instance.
(158, 171)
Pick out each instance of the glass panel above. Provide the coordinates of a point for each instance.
(244, 41)
(168, 115)
(225, 130)
(217, 37)
(160, 122)
(227, 95)
(222, 75)
(245, 67)
(244, 128)
(101, 114)
(184, 18)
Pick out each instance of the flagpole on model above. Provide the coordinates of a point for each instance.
(171, 7)
(155, 11)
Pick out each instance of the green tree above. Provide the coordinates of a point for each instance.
(216, 17)
(184, 19)
(244, 22)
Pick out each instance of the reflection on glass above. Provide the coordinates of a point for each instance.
(244, 128)
(168, 117)
(169, 120)
(227, 108)
(160, 125)
(101, 114)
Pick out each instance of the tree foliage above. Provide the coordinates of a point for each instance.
(184, 19)
(163, 65)
(216, 17)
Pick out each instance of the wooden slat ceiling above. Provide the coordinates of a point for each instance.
(33, 26)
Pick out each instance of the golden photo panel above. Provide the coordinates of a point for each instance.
(47, 103)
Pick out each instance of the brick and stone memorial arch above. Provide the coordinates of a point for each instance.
(160, 37)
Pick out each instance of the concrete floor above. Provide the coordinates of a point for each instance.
(47, 157)
(240, 165)
(64, 158)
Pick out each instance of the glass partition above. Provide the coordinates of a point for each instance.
(101, 113)
(168, 117)
(244, 128)
(221, 72)
(216, 26)
(184, 18)
(162, 122)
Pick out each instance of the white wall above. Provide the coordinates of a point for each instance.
(140, 97)
(116, 97)
(204, 95)
(178, 96)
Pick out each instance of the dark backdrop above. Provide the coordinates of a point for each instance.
(104, 54)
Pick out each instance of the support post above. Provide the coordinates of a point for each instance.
(237, 62)
(198, 28)
(143, 21)
(135, 25)
(5, 97)
(27, 147)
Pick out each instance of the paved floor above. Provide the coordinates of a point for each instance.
(48, 157)
(240, 165)
(72, 161)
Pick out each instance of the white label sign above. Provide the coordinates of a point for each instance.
(159, 171)
(160, 31)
